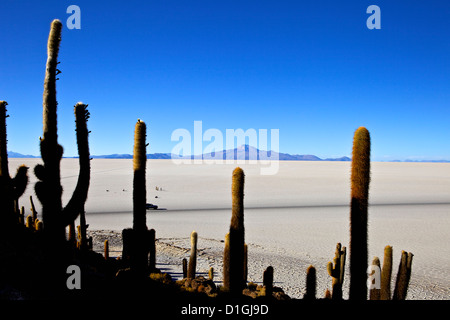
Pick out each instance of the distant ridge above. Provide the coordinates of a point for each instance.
(12, 154)
(244, 152)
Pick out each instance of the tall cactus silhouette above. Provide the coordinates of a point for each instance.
(10, 188)
(139, 181)
(136, 241)
(49, 189)
(360, 179)
(237, 233)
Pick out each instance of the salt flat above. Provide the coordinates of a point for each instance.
(292, 219)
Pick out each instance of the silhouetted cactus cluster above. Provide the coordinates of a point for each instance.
(48, 189)
(402, 280)
(139, 247)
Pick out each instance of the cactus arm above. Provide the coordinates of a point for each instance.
(76, 204)
(343, 255)
(10, 189)
(49, 97)
(49, 189)
(226, 263)
(20, 181)
(6, 191)
(4, 171)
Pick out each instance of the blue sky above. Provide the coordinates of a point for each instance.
(311, 69)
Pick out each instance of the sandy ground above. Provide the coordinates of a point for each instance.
(293, 219)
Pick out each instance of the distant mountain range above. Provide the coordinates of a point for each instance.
(244, 152)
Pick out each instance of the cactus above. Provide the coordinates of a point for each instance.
(193, 258)
(386, 271)
(33, 208)
(337, 271)
(374, 293)
(310, 283)
(29, 222)
(226, 263)
(237, 233)
(403, 276)
(136, 241)
(184, 262)
(39, 225)
(152, 251)
(22, 216)
(48, 188)
(72, 238)
(106, 250)
(268, 280)
(140, 232)
(82, 231)
(360, 179)
(245, 263)
(10, 188)
(139, 182)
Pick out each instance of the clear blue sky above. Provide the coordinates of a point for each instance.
(311, 69)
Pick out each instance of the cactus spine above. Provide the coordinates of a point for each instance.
(337, 271)
(49, 189)
(386, 272)
(237, 233)
(193, 258)
(360, 179)
(10, 188)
